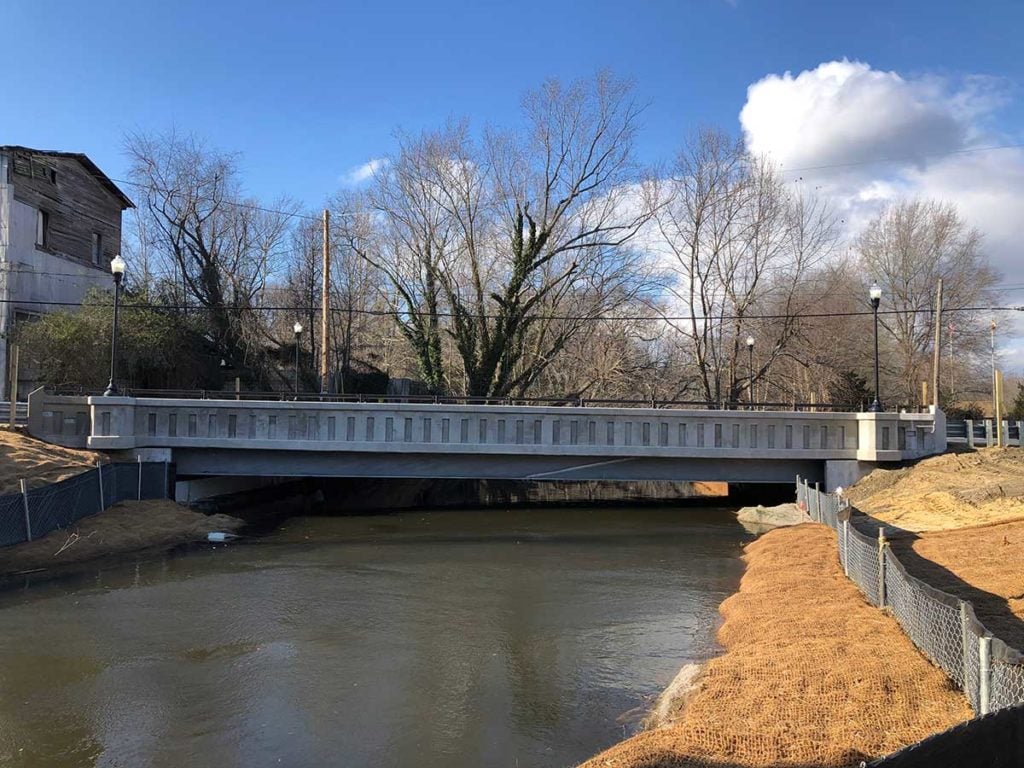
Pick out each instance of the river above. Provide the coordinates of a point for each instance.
(428, 639)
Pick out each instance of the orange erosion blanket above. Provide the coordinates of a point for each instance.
(811, 674)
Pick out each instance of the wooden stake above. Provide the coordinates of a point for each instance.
(938, 345)
(325, 306)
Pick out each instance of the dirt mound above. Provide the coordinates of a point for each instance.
(125, 527)
(812, 674)
(954, 490)
(37, 462)
(983, 565)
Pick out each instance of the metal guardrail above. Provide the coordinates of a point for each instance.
(943, 627)
(20, 413)
(551, 401)
(983, 433)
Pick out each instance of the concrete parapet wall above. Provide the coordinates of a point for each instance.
(582, 442)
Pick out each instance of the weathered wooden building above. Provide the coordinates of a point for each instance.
(60, 225)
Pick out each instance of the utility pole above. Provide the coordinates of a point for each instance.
(993, 328)
(938, 344)
(325, 349)
(952, 372)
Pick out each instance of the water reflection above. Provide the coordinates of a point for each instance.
(431, 639)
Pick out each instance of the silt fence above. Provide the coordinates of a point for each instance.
(33, 513)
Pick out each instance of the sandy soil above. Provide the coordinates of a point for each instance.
(125, 527)
(983, 565)
(37, 462)
(954, 490)
(812, 674)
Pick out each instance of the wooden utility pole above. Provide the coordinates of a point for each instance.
(938, 344)
(999, 407)
(325, 348)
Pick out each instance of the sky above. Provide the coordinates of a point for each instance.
(311, 94)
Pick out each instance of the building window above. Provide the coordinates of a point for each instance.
(97, 248)
(42, 228)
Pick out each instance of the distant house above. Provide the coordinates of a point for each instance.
(60, 225)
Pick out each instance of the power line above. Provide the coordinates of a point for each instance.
(901, 159)
(566, 318)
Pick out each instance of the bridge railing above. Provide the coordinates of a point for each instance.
(567, 401)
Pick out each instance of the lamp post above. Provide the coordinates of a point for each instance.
(117, 267)
(298, 333)
(875, 293)
(750, 368)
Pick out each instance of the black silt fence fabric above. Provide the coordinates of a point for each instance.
(12, 520)
(992, 741)
(60, 505)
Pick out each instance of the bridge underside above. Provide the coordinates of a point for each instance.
(285, 463)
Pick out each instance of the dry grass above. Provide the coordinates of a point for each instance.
(125, 527)
(812, 674)
(37, 462)
(954, 490)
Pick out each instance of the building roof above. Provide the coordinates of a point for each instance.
(88, 164)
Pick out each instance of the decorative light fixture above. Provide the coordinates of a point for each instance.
(117, 269)
(298, 333)
(875, 294)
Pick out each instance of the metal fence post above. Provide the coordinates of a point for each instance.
(798, 499)
(24, 503)
(167, 480)
(846, 548)
(988, 433)
(984, 672)
(99, 476)
(968, 646)
(817, 503)
(969, 428)
(140, 478)
(881, 567)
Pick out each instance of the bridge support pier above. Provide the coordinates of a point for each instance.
(842, 473)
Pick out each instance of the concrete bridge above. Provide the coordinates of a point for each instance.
(245, 438)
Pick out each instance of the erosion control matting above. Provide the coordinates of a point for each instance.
(812, 675)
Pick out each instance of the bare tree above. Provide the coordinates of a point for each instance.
(740, 244)
(907, 248)
(222, 246)
(514, 245)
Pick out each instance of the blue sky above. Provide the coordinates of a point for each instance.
(306, 91)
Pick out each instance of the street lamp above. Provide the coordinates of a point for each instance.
(117, 267)
(298, 333)
(750, 367)
(875, 293)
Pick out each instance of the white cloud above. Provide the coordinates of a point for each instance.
(883, 136)
(361, 173)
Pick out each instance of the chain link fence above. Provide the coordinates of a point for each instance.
(34, 513)
(943, 627)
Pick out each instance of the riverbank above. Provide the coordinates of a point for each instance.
(36, 462)
(124, 528)
(811, 673)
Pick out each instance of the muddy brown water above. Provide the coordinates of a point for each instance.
(469, 638)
